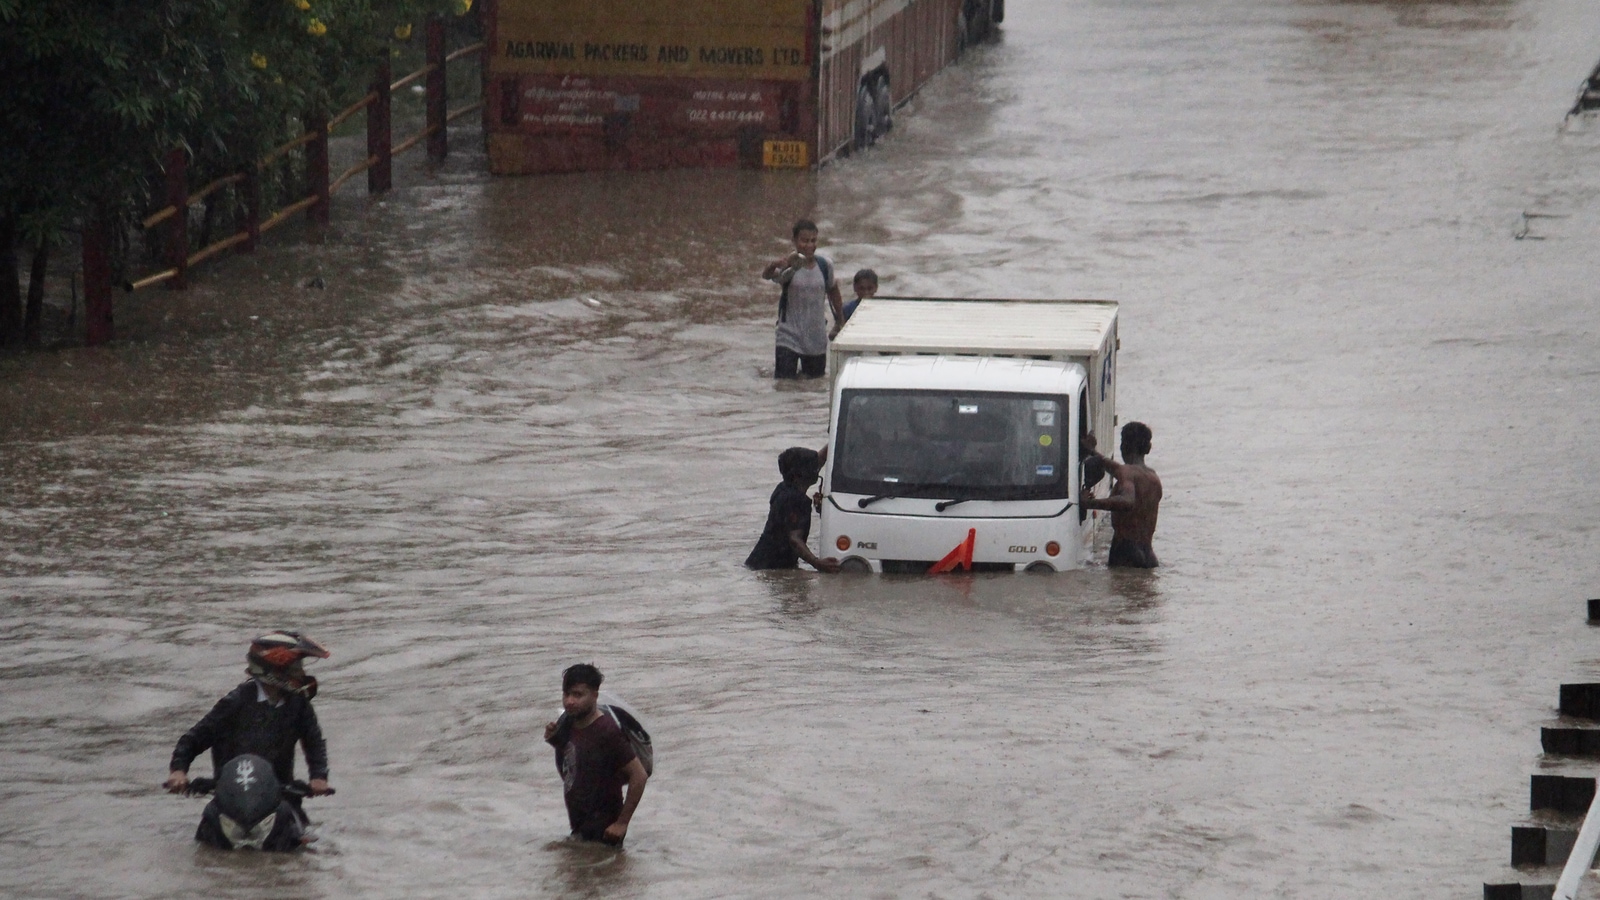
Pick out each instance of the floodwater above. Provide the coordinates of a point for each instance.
(528, 422)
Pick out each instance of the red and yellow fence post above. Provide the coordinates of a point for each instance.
(438, 139)
(317, 168)
(380, 177)
(97, 278)
(177, 255)
(252, 210)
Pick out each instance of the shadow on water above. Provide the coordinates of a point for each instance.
(1140, 589)
(291, 875)
(793, 592)
(1085, 615)
(587, 869)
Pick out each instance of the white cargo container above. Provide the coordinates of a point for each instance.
(960, 418)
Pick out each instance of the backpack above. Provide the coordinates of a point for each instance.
(827, 279)
(632, 729)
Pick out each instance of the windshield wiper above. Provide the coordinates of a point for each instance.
(906, 491)
(943, 505)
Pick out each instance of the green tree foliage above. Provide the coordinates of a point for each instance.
(98, 91)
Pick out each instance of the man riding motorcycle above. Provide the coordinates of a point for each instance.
(263, 717)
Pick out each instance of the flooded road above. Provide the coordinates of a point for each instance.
(529, 422)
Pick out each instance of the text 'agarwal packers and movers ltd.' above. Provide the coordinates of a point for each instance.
(954, 438)
(578, 85)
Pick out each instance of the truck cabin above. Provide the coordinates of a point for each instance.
(956, 423)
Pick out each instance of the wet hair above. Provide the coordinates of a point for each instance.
(804, 225)
(1136, 437)
(865, 274)
(582, 673)
(799, 461)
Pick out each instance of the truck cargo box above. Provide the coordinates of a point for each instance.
(1082, 331)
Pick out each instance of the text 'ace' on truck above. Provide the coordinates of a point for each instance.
(954, 436)
(576, 85)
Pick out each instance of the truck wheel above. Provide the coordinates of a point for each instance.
(866, 118)
(883, 103)
(855, 565)
(997, 11)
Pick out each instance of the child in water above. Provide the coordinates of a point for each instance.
(865, 285)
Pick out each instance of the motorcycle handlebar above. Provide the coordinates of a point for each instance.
(297, 789)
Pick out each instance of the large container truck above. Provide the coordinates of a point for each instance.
(576, 85)
(954, 433)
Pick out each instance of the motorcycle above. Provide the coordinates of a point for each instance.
(251, 809)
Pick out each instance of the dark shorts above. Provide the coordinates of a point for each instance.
(789, 361)
(1128, 555)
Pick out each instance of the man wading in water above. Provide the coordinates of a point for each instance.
(809, 291)
(595, 761)
(1135, 499)
(783, 541)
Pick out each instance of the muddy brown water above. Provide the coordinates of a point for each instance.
(527, 422)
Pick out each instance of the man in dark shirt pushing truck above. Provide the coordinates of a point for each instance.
(783, 540)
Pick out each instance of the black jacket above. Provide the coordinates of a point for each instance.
(240, 723)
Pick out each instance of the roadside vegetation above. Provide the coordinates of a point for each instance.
(97, 92)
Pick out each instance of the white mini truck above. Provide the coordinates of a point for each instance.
(954, 433)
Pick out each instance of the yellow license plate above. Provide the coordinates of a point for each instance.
(784, 155)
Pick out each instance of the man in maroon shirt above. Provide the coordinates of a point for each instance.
(595, 760)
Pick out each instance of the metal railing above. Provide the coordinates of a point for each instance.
(174, 216)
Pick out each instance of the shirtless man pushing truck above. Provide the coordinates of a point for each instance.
(1135, 499)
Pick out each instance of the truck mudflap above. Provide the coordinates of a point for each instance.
(917, 543)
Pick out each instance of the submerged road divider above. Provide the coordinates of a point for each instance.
(1554, 836)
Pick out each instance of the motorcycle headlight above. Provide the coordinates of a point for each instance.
(247, 838)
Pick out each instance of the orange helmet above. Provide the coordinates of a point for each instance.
(275, 659)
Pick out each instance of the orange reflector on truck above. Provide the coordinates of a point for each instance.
(843, 543)
(960, 556)
(1052, 549)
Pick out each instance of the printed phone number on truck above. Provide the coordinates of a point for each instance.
(727, 115)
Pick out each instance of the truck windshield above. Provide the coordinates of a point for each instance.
(973, 446)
